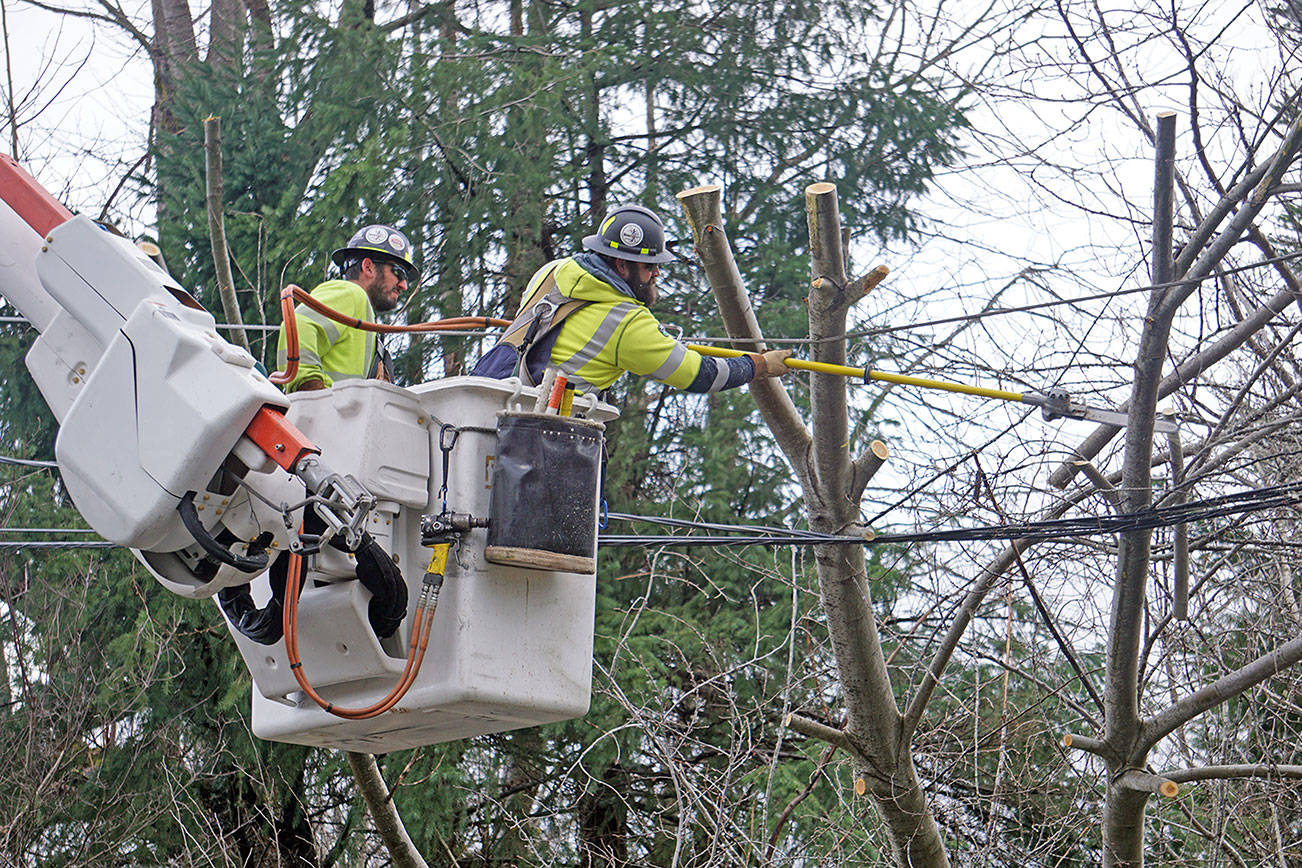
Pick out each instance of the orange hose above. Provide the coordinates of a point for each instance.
(420, 632)
(292, 293)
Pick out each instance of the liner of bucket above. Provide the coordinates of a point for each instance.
(543, 510)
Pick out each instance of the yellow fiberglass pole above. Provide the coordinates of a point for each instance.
(880, 376)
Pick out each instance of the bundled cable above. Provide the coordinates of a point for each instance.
(1252, 500)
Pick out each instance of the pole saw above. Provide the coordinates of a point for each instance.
(1053, 403)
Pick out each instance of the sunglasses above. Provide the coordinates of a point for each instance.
(401, 271)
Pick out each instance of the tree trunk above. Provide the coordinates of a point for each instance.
(832, 484)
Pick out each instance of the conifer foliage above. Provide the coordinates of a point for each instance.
(495, 134)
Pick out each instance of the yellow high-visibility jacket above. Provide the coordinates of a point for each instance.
(597, 343)
(327, 350)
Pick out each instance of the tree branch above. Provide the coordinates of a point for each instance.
(1196, 364)
(388, 822)
(1140, 781)
(828, 304)
(989, 575)
(821, 731)
(1089, 745)
(212, 146)
(1247, 770)
(702, 208)
(1226, 687)
(865, 467)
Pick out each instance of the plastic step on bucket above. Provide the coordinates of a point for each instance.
(543, 510)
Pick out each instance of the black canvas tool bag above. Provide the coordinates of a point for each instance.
(543, 507)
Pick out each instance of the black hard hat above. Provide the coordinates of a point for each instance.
(630, 232)
(380, 243)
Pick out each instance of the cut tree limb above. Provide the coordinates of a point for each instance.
(1087, 744)
(1141, 781)
(861, 286)
(212, 146)
(702, 207)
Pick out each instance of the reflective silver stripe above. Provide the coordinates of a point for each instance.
(340, 375)
(599, 338)
(722, 371)
(330, 326)
(676, 356)
(582, 385)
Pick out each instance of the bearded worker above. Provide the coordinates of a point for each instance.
(375, 269)
(590, 316)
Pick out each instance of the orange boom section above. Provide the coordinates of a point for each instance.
(30, 200)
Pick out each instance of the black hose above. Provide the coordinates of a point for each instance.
(378, 574)
(375, 570)
(251, 563)
(266, 625)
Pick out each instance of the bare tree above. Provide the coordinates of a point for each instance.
(1225, 358)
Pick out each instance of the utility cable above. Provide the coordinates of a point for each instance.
(1001, 311)
(25, 462)
(722, 535)
(870, 332)
(1238, 503)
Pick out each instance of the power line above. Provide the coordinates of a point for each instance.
(876, 331)
(46, 530)
(57, 544)
(25, 462)
(1004, 311)
(1237, 503)
(724, 535)
(873, 332)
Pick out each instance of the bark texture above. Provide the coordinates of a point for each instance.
(384, 814)
(832, 481)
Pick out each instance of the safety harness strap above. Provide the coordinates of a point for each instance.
(542, 314)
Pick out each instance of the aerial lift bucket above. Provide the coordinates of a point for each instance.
(510, 645)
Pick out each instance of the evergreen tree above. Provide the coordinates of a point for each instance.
(496, 136)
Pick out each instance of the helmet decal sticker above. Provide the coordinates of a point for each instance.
(630, 234)
(376, 234)
(397, 242)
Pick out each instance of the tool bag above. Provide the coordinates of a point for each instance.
(543, 507)
(535, 328)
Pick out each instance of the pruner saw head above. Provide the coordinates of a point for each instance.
(1058, 404)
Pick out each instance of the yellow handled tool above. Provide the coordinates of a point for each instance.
(1053, 404)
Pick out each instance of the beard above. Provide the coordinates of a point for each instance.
(380, 299)
(644, 291)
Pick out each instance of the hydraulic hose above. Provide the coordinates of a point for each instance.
(291, 294)
(265, 625)
(375, 571)
(422, 623)
(254, 562)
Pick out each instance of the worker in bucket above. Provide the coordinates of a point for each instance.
(589, 315)
(376, 268)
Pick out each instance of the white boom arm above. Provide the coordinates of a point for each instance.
(153, 405)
